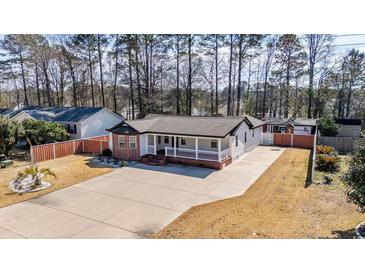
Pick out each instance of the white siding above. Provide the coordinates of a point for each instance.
(20, 117)
(302, 130)
(78, 129)
(349, 131)
(97, 124)
(142, 144)
(242, 146)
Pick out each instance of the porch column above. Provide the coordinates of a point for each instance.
(154, 145)
(146, 140)
(219, 150)
(196, 148)
(175, 146)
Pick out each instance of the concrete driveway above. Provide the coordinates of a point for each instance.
(131, 202)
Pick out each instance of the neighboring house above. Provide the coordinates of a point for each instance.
(348, 127)
(3, 110)
(305, 126)
(80, 122)
(295, 126)
(203, 141)
(279, 125)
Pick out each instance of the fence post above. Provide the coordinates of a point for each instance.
(291, 140)
(101, 147)
(54, 151)
(83, 147)
(73, 146)
(31, 154)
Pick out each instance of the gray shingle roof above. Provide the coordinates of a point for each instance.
(56, 114)
(305, 122)
(190, 125)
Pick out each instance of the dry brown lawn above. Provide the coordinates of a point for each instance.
(69, 170)
(278, 205)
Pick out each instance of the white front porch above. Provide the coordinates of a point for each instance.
(198, 148)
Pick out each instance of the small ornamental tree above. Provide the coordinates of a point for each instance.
(42, 132)
(9, 134)
(327, 126)
(355, 178)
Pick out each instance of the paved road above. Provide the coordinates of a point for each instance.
(131, 202)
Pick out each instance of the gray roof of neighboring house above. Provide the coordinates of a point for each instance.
(189, 125)
(279, 121)
(56, 114)
(348, 121)
(305, 122)
(3, 109)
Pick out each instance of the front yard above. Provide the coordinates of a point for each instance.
(69, 170)
(278, 205)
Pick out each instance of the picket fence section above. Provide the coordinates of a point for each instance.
(47, 152)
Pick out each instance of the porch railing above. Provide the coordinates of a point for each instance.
(199, 155)
(151, 149)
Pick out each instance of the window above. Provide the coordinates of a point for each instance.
(72, 129)
(253, 133)
(213, 144)
(121, 141)
(183, 141)
(237, 140)
(132, 142)
(166, 139)
(75, 129)
(245, 137)
(159, 139)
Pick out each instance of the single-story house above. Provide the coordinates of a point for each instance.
(349, 127)
(279, 125)
(305, 126)
(80, 122)
(195, 140)
(295, 126)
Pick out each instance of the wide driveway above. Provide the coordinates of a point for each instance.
(131, 202)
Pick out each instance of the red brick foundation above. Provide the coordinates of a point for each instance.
(200, 163)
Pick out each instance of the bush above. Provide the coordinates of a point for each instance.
(355, 178)
(10, 131)
(327, 126)
(42, 132)
(325, 149)
(328, 163)
(107, 152)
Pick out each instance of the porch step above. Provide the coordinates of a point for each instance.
(154, 160)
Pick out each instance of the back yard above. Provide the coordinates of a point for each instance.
(69, 170)
(278, 205)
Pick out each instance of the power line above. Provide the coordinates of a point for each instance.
(345, 45)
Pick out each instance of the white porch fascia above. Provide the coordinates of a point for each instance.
(174, 145)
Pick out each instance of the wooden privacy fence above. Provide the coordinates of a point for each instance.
(288, 140)
(47, 152)
(341, 144)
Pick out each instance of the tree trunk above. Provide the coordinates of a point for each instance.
(310, 91)
(349, 99)
(74, 86)
(130, 78)
(62, 87)
(230, 76)
(115, 77)
(287, 85)
(91, 75)
(37, 84)
(178, 76)
(239, 76)
(26, 102)
(189, 76)
(101, 72)
(140, 103)
(216, 74)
